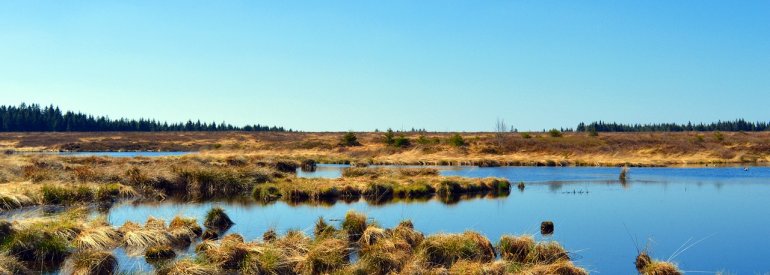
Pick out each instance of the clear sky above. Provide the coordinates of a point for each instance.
(360, 65)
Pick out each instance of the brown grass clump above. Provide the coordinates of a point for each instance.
(642, 261)
(11, 265)
(325, 255)
(355, 224)
(270, 235)
(100, 237)
(560, 268)
(446, 249)
(547, 253)
(136, 238)
(323, 229)
(229, 254)
(383, 252)
(188, 267)
(477, 268)
(405, 231)
(184, 230)
(661, 268)
(515, 249)
(160, 252)
(267, 259)
(86, 262)
(647, 266)
(216, 218)
(294, 242)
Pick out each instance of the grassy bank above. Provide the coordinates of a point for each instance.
(56, 180)
(483, 149)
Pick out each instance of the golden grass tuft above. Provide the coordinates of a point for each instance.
(102, 237)
(217, 218)
(477, 268)
(443, 250)
(547, 253)
(560, 268)
(188, 267)
(86, 262)
(647, 266)
(661, 268)
(137, 238)
(229, 254)
(354, 224)
(267, 259)
(324, 256)
(405, 231)
(184, 230)
(159, 252)
(515, 248)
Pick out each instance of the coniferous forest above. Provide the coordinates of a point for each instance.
(727, 126)
(33, 117)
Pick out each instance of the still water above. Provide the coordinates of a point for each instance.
(709, 219)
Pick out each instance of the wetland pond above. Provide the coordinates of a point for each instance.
(706, 219)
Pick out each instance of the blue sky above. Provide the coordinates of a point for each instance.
(360, 65)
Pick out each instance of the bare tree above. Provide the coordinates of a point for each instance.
(500, 129)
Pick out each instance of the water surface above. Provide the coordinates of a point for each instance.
(601, 220)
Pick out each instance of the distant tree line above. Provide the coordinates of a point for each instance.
(51, 119)
(726, 126)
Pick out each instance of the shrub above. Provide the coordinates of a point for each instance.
(526, 135)
(388, 137)
(349, 139)
(456, 140)
(555, 133)
(719, 136)
(401, 142)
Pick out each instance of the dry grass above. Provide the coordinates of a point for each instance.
(98, 237)
(11, 265)
(380, 250)
(137, 238)
(609, 149)
(516, 248)
(86, 262)
(647, 266)
(445, 249)
(188, 267)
